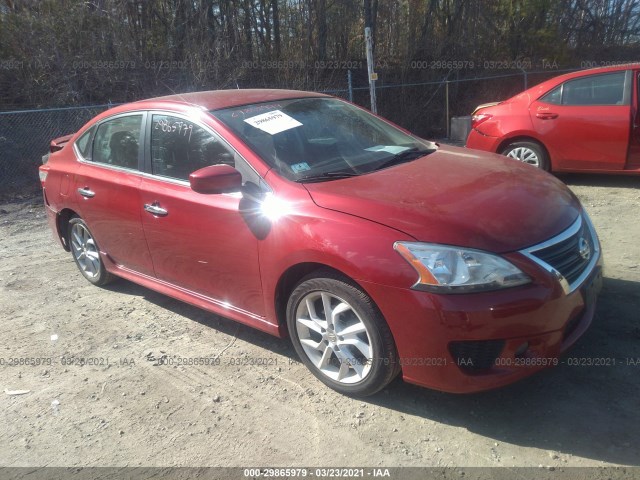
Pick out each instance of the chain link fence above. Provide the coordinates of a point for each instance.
(425, 108)
(25, 137)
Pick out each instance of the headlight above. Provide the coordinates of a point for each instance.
(445, 269)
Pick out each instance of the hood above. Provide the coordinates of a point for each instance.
(458, 197)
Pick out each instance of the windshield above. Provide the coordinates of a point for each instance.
(318, 139)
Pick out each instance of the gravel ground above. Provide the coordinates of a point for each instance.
(260, 407)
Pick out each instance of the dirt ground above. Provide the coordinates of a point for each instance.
(258, 406)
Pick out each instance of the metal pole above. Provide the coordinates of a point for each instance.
(350, 83)
(446, 102)
(372, 75)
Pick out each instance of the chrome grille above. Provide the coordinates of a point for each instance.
(571, 255)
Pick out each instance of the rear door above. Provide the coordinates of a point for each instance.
(202, 243)
(106, 189)
(585, 123)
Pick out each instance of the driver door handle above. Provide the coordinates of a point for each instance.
(546, 115)
(155, 209)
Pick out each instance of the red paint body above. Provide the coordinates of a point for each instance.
(602, 138)
(209, 252)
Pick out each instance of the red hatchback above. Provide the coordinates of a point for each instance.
(587, 121)
(305, 216)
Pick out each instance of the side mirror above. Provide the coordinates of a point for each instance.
(215, 179)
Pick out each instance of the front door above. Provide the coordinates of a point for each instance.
(198, 242)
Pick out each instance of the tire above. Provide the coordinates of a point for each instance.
(528, 152)
(353, 351)
(86, 253)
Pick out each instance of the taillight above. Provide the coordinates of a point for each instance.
(43, 175)
(479, 119)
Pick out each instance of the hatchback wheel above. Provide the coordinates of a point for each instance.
(528, 152)
(341, 336)
(86, 253)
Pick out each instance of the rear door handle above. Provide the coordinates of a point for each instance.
(546, 115)
(86, 192)
(155, 209)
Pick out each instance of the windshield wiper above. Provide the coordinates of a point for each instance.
(405, 156)
(321, 177)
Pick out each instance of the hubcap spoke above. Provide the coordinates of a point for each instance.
(343, 370)
(311, 309)
(340, 308)
(326, 303)
(359, 368)
(325, 359)
(311, 325)
(353, 329)
(310, 343)
(94, 264)
(364, 348)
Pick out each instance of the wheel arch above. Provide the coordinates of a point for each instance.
(288, 281)
(62, 224)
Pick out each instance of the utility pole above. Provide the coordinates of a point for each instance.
(372, 75)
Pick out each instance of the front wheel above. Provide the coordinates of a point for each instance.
(341, 336)
(528, 152)
(86, 253)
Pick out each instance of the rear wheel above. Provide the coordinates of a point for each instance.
(86, 253)
(528, 152)
(341, 336)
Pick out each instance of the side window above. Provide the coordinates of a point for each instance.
(180, 147)
(83, 144)
(605, 89)
(554, 96)
(117, 142)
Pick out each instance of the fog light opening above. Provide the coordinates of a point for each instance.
(522, 349)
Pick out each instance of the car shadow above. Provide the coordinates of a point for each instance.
(205, 318)
(577, 408)
(599, 180)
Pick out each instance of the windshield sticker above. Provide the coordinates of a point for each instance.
(300, 167)
(273, 122)
(387, 148)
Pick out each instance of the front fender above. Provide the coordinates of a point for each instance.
(359, 248)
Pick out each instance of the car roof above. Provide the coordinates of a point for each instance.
(219, 99)
(598, 70)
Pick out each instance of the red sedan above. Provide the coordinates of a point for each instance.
(587, 121)
(305, 216)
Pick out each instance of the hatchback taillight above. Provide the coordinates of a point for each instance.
(479, 119)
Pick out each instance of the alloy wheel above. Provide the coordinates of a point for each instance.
(525, 155)
(334, 337)
(85, 251)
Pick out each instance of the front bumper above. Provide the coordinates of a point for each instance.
(475, 342)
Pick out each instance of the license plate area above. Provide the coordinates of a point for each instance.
(592, 287)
